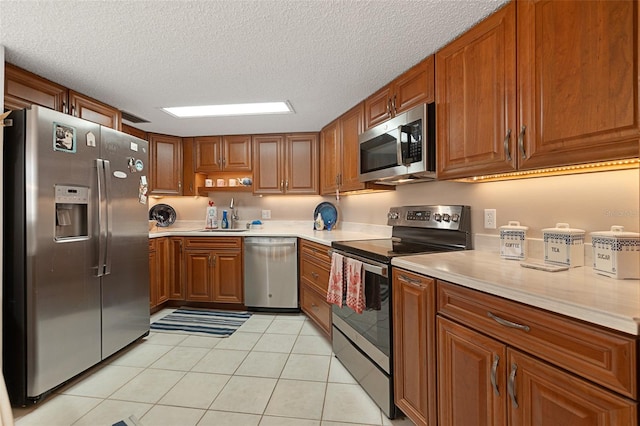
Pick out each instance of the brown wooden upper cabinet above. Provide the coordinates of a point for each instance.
(568, 96)
(223, 153)
(339, 152)
(90, 109)
(134, 131)
(413, 87)
(165, 159)
(285, 164)
(23, 89)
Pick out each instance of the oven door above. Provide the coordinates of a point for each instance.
(370, 331)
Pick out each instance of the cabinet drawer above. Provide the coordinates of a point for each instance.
(315, 275)
(319, 252)
(212, 242)
(314, 305)
(605, 357)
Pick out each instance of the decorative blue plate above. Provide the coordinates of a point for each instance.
(329, 214)
(164, 214)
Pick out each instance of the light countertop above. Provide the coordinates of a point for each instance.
(578, 292)
(301, 229)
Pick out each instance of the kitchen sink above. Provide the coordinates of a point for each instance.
(220, 230)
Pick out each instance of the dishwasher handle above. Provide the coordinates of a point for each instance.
(267, 244)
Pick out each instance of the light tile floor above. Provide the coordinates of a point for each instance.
(276, 369)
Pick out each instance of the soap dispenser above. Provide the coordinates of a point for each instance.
(225, 220)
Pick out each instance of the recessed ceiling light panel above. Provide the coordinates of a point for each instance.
(230, 110)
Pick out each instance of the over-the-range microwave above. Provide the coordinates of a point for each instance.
(401, 149)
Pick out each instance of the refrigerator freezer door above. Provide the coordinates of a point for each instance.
(62, 291)
(125, 286)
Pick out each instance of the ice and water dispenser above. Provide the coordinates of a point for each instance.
(72, 212)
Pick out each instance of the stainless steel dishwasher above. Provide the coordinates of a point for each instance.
(271, 273)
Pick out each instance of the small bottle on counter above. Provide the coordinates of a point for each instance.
(225, 220)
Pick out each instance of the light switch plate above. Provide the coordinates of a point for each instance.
(266, 214)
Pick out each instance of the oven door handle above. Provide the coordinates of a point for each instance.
(368, 265)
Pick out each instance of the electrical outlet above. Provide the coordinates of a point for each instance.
(266, 214)
(489, 218)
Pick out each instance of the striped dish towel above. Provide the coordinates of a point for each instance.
(336, 280)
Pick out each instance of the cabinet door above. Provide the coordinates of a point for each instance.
(471, 377)
(351, 125)
(237, 153)
(134, 132)
(301, 176)
(228, 284)
(191, 180)
(208, 154)
(330, 157)
(414, 87)
(475, 99)
(199, 267)
(541, 394)
(377, 107)
(153, 273)
(162, 281)
(90, 109)
(414, 346)
(268, 167)
(176, 268)
(23, 89)
(165, 157)
(578, 81)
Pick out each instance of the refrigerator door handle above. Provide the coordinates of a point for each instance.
(105, 227)
(102, 220)
(107, 181)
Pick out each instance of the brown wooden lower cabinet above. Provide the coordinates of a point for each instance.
(414, 346)
(314, 265)
(158, 271)
(503, 363)
(214, 270)
(176, 268)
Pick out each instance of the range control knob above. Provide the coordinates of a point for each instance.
(437, 217)
(455, 217)
(392, 215)
(446, 217)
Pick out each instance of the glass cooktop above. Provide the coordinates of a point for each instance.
(384, 249)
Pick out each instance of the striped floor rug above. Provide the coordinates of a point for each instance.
(201, 321)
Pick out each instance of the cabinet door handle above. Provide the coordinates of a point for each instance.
(511, 385)
(65, 107)
(506, 145)
(219, 163)
(282, 185)
(409, 280)
(494, 371)
(507, 323)
(521, 141)
(315, 275)
(389, 106)
(286, 184)
(73, 110)
(393, 105)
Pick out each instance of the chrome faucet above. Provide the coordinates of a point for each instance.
(233, 215)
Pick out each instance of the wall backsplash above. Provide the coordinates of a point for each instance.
(592, 201)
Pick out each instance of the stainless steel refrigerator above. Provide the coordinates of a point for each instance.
(76, 269)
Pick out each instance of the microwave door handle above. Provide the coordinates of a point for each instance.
(399, 159)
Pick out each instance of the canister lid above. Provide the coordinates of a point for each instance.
(616, 232)
(563, 228)
(513, 225)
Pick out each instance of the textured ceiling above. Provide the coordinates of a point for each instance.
(323, 56)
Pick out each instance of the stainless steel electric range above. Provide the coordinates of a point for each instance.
(363, 342)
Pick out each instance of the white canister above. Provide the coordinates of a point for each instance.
(513, 243)
(564, 245)
(616, 253)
